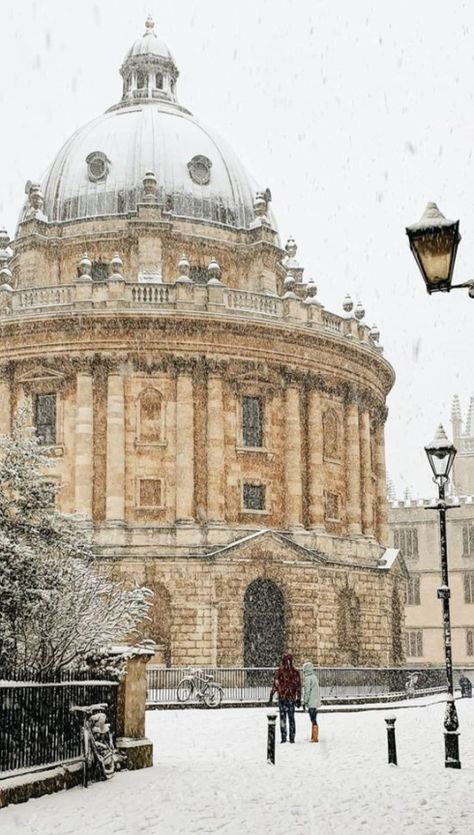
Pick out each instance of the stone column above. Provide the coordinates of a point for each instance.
(381, 498)
(366, 474)
(131, 709)
(215, 450)
(115, 481)
(315, 461)
(351, 440)
(84, 446)
(293, 473)
(5, 407)
(184, 448)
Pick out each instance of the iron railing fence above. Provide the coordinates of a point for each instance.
(36, 725)
(337, 683)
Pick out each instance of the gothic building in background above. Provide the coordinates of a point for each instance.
(220, 432)
(415, 532)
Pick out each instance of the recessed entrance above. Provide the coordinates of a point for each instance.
(264, 624)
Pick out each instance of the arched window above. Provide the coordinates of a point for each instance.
(397, 645)
(264, 624)
(330, 434)
(348, 623)
(159, 81)
(140, 80)
(150, 417)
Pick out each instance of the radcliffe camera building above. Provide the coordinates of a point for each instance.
(219, 431)
(415, 532)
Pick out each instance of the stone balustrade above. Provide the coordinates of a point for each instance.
(123, 295)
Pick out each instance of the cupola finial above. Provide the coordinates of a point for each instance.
(149, 26)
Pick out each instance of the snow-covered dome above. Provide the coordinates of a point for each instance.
(100, 169)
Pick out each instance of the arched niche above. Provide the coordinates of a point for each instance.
(348, 627)
(264, 624)
(158, 626)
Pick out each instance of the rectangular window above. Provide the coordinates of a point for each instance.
(332, 506)
(254, 496)
(252, 421)
(406, 539)
(469, 641)
(469, 588)
(414, 643)
(468, 539)
(413, 591)
(45, 418)
(149, 492)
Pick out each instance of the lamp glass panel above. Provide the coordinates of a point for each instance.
(435, 253)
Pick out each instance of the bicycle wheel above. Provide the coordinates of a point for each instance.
(212, 695)
(105, 759)
(184, 690)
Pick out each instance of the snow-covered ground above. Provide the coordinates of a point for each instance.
(211, 776)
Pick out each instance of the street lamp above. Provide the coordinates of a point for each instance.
(441, 455)
(434, 242)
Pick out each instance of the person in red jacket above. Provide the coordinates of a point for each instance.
(287, 683)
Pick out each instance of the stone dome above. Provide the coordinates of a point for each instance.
(100, 169)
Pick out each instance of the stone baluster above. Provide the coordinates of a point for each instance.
(115, 498)
(366, 474)
(381, 499)
(84, 439)
(184, 448)
(215, 450)
(315, 461)
(352, 449)
(293, 468)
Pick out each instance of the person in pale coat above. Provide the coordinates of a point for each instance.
(311, 697)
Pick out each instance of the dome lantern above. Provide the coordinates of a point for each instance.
(149, 70)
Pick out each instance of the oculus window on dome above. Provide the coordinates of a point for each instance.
(200, 170)
(97, 166)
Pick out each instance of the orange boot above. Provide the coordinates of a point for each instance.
(314, 733)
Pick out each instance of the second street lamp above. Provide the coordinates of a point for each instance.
(434, 242)
(441, 456)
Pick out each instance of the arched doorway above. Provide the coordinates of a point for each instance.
(264, 624)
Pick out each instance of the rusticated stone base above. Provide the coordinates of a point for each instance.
(139, 752)
(20, 788)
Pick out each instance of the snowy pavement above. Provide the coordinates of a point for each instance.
(211, 776)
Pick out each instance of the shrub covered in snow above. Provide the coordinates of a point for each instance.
(56, 607)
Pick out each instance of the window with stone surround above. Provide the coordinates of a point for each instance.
(253, 496)
(413, 590)
(468, 539)
(414, 643)
(45, 418)
(252, 421)
(150, 493)
(469, 588)
(469, 641)
(331, 506)
(406, 539)
(150, 417)
(330, 435)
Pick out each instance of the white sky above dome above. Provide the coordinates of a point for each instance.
(355, 115)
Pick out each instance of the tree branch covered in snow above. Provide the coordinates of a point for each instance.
(57, 608)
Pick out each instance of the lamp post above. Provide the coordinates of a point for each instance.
(441, 455)
(434, 242)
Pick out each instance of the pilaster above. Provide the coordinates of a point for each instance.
(115, 468)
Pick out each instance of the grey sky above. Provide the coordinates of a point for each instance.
(354, 114)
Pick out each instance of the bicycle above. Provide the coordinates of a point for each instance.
(98, 749)
(202, 686)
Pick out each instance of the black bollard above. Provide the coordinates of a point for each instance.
(392, 745)
(271, 738)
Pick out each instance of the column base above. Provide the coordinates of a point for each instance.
(139, 752)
